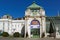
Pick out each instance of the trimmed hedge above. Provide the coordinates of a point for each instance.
(16, 34)
(5, 34)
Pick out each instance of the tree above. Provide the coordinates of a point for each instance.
(51, 30)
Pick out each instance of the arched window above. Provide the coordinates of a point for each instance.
(35, 24)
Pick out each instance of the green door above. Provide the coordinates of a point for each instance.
(35, 32)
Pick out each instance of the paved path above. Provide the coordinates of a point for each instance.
(6, 38)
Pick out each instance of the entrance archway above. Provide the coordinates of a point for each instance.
(35, 28)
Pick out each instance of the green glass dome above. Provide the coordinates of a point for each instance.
(34, 6)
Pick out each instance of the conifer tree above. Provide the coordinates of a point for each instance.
(51, 30)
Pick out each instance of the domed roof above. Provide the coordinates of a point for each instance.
(7, 16)
(34, 5)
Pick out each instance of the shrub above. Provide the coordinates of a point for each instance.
(16, 34)
(5, 34)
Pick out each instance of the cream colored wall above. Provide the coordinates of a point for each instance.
(1, 25)
(4, 25)
(7, 25)
(18, 25)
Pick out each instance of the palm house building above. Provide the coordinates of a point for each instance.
(35, 23)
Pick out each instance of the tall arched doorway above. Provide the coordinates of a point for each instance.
(35, 28)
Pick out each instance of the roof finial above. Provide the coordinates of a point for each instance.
(58, 13)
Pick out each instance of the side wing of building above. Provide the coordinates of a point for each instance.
(11, 26)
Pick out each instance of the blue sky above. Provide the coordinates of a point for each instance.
(16, 8)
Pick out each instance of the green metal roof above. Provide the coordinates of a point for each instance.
(34, 5)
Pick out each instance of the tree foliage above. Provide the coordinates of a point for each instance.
(51, 30)
(16, 34)
(5, 34)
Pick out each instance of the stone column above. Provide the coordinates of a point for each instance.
(29, 32)
(29, 35)
(41, 29)
(44, 25)
(25, 27)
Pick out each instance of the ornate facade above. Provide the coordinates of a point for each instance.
(35, 23)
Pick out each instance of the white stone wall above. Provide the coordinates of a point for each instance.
(1, 25)
(17, 25)
(11, 26)
(4, 24)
